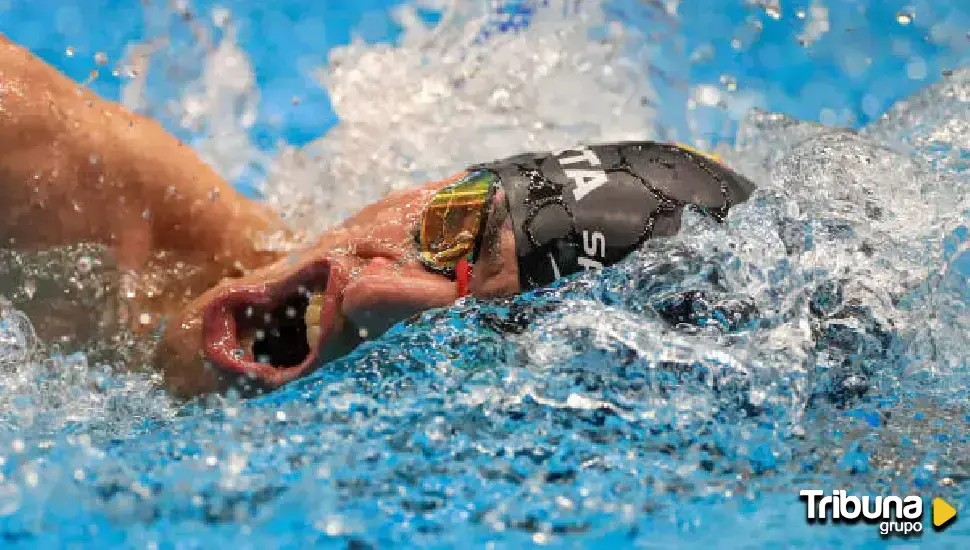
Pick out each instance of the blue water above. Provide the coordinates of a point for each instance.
(585, 415)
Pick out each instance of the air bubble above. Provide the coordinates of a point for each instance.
(100, 58)
(904, 18)
(29, 288)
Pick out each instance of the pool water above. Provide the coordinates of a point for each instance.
(818, 339)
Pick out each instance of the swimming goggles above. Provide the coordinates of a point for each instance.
(449, 236)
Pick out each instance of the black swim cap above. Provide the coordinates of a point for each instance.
(591, 206)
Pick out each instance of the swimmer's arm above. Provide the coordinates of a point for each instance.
(74, 167)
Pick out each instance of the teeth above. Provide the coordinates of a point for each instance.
(312, 335)
(312, 319)
(246, 343)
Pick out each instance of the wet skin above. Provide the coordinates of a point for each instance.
(76, 168)
(369, 273)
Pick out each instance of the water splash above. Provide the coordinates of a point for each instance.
(17, 337)
(818, 338)
(461, 93)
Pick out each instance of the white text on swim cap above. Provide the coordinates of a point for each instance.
(593, 244)
(585, 180)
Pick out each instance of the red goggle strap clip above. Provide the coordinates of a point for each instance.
(463, 274)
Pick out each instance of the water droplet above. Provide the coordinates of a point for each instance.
(773, 11)
(100, 58)
(362, 332)
(800, 14)
(220, 17)
(291, 312)
(214, 194)
(145, 319)
(94, 158)
(69, 51)
(904, 18)
(84, 264)
(238, 353)
(146, 215)
(17, 337)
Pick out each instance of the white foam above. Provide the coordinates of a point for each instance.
(447, 97)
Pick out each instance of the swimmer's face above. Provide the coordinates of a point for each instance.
(280, 322)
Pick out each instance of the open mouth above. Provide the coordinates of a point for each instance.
(274, 332)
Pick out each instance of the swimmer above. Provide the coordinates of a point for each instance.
(76, 168)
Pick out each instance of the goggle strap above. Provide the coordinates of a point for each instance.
(479, 237)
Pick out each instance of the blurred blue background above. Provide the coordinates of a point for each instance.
(873, 52)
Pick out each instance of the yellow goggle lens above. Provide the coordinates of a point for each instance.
(452, 221)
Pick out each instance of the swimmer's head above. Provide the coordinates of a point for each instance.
(496, 230)
(278, 323)
(589, 207)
